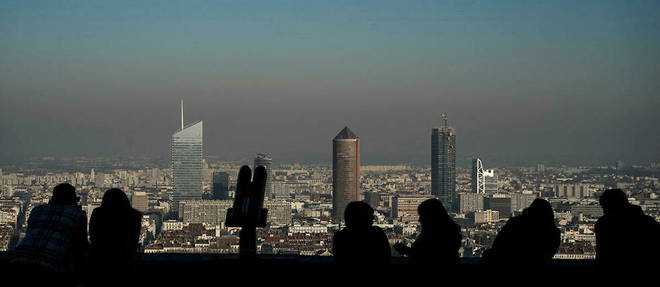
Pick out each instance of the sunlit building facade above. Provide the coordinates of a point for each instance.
(345, 171)
(187, 150)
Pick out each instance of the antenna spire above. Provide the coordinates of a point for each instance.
(444, 118)
(181, 113)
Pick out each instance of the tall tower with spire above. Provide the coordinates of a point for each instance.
(187, 153)
(345, 171)
(443, 163)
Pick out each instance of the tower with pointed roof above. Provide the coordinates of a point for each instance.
(345, 171)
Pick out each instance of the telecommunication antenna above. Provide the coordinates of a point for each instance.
(182, 114)
(444, 118)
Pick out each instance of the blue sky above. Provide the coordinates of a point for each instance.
(521, 80)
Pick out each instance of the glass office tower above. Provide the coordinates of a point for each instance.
(187, 161)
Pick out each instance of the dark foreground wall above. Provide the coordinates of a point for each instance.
(220, 270)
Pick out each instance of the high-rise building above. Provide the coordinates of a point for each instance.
(443, 163)
(187, 161)
(263, 159)
(478, 179)
(345, 171)
(140, 201)
(220, 186)
(491, 182)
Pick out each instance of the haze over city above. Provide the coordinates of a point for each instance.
(556, 82)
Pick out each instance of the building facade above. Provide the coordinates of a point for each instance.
(469, 202)
(404, 207)
(263, 159)
(486, 216)
(187, 161)
(345, 171)
(443, 164)
(140, 201)
(220, 186)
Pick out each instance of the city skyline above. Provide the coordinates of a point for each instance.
(559, 83)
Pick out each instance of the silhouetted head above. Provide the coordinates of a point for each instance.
(613, 200)
(432, 212)
(358, 214)
(116, 199)
(64, 194)
(541, 210)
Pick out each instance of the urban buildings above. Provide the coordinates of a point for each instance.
(220, 186)
(443, 163)
(140, 201)
(500, 203)
(478, 178)
(575, 190)
(404, 207)
(486, 216)
(371, 198)
(208, 212)
(266, 161)
(470, 202)
(281, 189)
(187, 161)
(214, 212)
(345, 171)
(301, 222)
(491, 182)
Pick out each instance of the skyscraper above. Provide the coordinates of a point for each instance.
(490, 181)
(443, 163)
(266, 161)
(478, 178)
(187, 161)
(345, 171)
(220, 186)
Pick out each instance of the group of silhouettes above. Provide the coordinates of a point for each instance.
(56, 242)
(56, 246)
(625, 237)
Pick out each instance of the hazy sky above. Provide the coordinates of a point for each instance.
(522, 81)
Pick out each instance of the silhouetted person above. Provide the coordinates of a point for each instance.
(360, 242)
(530, 239)
(440, 239)
(55, 242)
(625, 237)
(114, 231)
